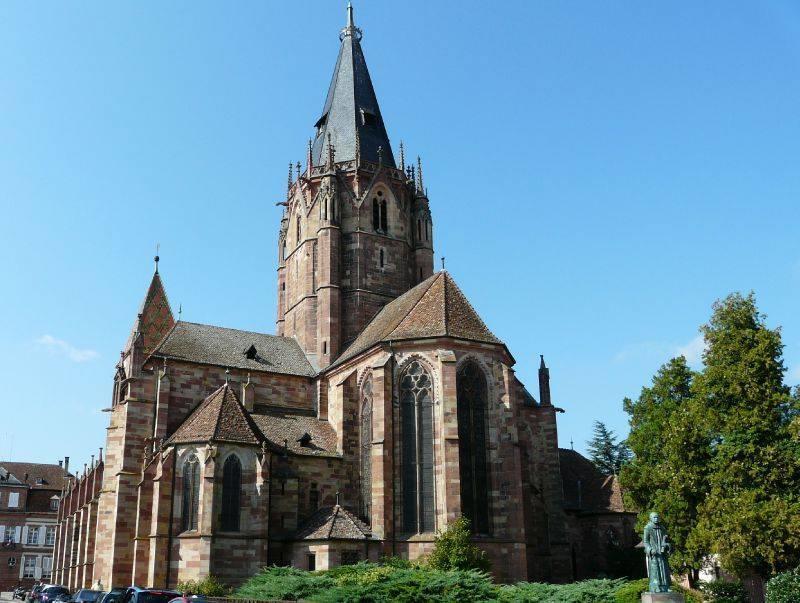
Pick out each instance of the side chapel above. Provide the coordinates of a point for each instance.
(382, 409)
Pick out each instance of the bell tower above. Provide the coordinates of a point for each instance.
(356, 230)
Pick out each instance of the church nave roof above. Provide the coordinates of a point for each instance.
(219, 346)
(333, 523)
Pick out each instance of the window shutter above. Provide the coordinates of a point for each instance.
(2, 533)
(25, 534)
(18, 534)
(42, 533)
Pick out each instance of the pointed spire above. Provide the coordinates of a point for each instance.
(402, 157)
(298, 166)
(544, 383)
(351, 107)
(289, 180)
(309, 160)
(420, 185)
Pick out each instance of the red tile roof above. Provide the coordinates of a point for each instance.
(219, 418)
(333, 523)
(51, 476)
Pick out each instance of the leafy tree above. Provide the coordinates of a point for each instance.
(751, 516)
(453, 549)
(606, 453)
(671, 453)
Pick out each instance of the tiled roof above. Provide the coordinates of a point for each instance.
(51, 476)
(586, 488)
(278, 426)
(219, 418)
(333, 523)
(207, 344)
(434, 308)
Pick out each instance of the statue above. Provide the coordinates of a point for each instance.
(657, 549)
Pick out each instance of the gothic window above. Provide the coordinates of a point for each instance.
(384, 218)
(416, 424)
(472, 403)
(382, 260)
(325, 209)
(366, 450)
(283, 250)
(231, 494)
(376, 215)
(191, 493)
(299, 229)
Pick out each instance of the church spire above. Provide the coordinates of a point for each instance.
(351, 110)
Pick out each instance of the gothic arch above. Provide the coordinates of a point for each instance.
(191, 472)
(472, 393)
(416, 402)
(365, 449)
(231, 507)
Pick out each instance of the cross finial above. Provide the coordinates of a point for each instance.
(227, 375)
(337, 498)
(156, 259)
(571, 444)
(180, 311)
(442, 262)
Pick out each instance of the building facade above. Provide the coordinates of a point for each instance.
(383, 409)
(29, 502)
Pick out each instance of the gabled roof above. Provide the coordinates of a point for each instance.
(334, 523)
(207, 344)
(434, 308)
(154, 318)
(586, 489)
(351, 108)
(218, 418)
(39, 476)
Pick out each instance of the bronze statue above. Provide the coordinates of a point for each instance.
(657, 549)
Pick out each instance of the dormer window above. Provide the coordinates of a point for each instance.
(369, 119)
(321, 123)
(251, 353)
(304, 440)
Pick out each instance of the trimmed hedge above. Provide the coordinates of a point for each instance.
(631, 592)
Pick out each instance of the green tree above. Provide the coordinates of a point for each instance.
(453, 549)
(671, 454)
(606, 453)
(751, 516)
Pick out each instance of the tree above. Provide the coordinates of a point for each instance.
(606, 453)
(453, 549)
(751, 516)
(671, 452)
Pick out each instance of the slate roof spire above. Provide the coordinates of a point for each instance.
(351, 110)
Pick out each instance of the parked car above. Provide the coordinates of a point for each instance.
(189, 599)
(34, 593)
(115, 595)
(149, 595)
(86, 595)
(50, 593)
(19, 593)
(65, 598)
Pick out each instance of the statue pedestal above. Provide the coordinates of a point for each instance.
(662, 598)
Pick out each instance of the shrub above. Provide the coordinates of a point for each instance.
(209, 586)
(586, 591)
(724, 592)
(631, 592)
(286, 583)
(454, 550)
(784, 588)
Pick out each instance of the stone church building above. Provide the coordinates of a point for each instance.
(383, 409)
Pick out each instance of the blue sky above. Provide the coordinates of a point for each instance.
(599, 174)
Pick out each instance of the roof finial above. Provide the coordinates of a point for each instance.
(350, 15)
(380, 155)
(298, 166)
(337, 498)
(571, 444)
(227, 375)
(180, 311)
(289, 180)
(402, 157)
(419, 175)
(351, 28)
(309, 158)
(156, 259)
(442, 262)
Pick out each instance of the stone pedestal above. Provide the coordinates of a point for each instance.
(662, 598)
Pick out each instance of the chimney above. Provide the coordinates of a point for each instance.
(544, 383)
(60, 463)
(66, 464)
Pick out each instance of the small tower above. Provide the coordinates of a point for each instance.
(544, 383)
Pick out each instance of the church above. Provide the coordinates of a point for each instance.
(382, 409)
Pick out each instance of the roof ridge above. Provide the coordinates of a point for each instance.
(471, 307)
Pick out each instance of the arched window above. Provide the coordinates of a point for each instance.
(191, 493)
(366, 450)
(231, 494)
(376, 215)
(283, 250)
(416, 424)
(384, 218)
(472, 402)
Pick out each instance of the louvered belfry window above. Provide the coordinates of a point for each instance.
(416, 424)
(472, 404)
(191, 493)
(366, 450)
(231, 494)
